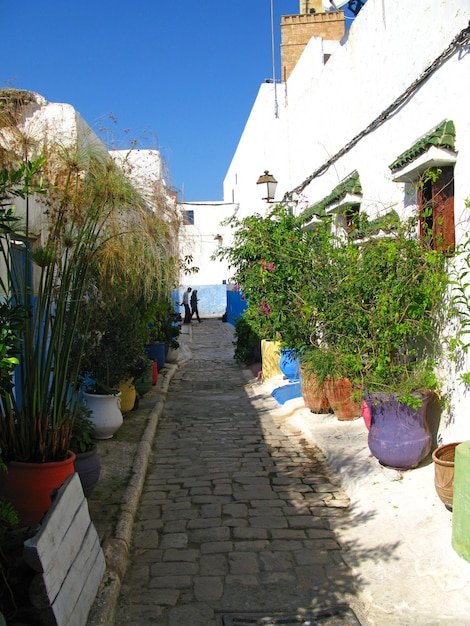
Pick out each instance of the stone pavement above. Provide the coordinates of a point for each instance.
(239, 512)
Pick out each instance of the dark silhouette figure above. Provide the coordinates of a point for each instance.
(185, 303)
(194, 301)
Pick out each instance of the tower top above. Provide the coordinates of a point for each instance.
(311, 6)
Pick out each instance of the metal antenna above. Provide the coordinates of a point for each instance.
(276, 108)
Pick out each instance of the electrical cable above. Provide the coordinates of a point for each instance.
(458, 42)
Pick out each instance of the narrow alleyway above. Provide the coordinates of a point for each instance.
(238, 513)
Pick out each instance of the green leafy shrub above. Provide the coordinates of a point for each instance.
(247, 343)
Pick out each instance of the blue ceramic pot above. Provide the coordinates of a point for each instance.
(156, 352)
(289, 364)
(399, 436)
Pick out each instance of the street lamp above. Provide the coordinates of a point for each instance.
(267, 186)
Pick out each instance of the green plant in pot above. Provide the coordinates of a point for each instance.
(141, 371)
(163, 332)
(112, 344)
(376, 313)
(247, 343)
(270, 256)
(60, 229)
(45, 274)
(333, 372)
(8, 520)
(329, 303)
(128, 268)
(87, 461)
(403, 282)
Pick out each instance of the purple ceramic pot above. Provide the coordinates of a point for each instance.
(399, 436)
(88, 467)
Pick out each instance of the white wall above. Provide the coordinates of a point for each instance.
(50, 123)
(198, 240)
(257, 151)
(325, 107)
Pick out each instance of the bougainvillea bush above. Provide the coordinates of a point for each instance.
(369, 305)
(270, 258)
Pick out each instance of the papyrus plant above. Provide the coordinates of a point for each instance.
(48, 279)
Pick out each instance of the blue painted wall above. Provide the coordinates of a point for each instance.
(235, 306)
(212, 299)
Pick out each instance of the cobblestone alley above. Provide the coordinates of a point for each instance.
(238, 513)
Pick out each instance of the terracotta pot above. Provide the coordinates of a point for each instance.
(88, 467)
(339, 394)
(313, 394)
(29, 486)
(399, 436)
(443, 458)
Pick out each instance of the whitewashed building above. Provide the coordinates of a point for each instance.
(352, 130)
(202, 233)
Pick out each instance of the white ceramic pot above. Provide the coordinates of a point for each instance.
(105, 413)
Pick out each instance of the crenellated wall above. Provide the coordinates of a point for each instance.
(297, 30)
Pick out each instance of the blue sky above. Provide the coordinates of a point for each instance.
(175, 75)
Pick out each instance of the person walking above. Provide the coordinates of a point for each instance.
(194, 301)
(185, 303)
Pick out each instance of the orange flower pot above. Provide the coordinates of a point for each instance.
(29, 486)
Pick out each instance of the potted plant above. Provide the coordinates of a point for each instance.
(331, 370)
(47, 280)
(141, 370)
(270, 256)
(163, 330)
(333, 359)
(403, 283)
(87, 461)
(377, 310)
(113, 342)
(75, 211)
(313, 391)
(247, 343)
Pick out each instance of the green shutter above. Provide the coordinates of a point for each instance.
(442, 137)
(350, 185)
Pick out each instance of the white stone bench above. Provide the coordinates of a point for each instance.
(67, 555)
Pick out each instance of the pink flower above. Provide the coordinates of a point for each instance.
(264, 308)
(267, 267)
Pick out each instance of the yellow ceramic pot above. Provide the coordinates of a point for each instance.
(128, 395)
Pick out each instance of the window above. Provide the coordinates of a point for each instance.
(351, 215)
(436, 208)
(429, 166)
(189, 218)
(344, 200)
